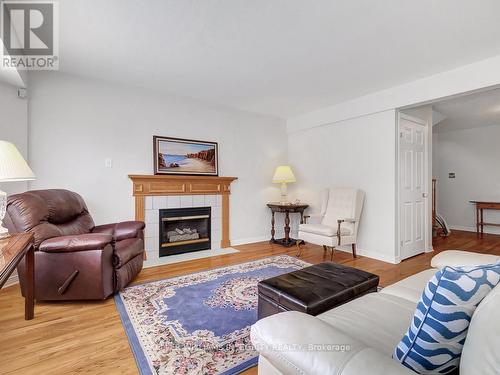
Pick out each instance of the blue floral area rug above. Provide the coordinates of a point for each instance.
(198, 323)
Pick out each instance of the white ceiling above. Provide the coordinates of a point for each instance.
(469, 111)
(276, 57)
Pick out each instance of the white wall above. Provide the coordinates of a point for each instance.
(13, 127)
(474, 155)
(76, 123)
(358, 153)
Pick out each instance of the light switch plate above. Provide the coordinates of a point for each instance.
(108, 163)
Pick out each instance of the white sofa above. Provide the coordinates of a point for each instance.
(366, 331)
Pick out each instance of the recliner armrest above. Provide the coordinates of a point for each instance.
(80, 242)
(297, 343)
(121, 231)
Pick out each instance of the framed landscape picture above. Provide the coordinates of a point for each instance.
(185, 157)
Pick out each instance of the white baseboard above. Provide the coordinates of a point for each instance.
(368, 254)
(377, 256)
(244, 241)
(279, 234)
(488, 230)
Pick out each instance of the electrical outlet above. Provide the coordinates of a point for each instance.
(451, 175)
(108, 163)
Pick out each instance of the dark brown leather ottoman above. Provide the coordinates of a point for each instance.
(313, 290)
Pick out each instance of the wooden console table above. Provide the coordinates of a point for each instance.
(286, 209)
(480, 207)
(12, 250)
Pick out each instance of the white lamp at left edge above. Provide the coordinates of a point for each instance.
(13, 167)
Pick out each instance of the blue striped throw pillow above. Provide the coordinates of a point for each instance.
(434, 341)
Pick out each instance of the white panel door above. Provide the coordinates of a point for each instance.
(413, 186)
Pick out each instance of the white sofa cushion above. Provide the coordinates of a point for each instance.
(377, 320)
(371, 361)
(324, 230)
(458, 258)
(314, 347)
(266, 367)
(481, 349)
(288, 349)
(410, 288)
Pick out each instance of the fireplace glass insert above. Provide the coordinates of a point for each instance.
(184, 230)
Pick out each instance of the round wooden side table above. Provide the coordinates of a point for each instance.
(287, 209)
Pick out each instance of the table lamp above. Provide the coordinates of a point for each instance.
(13, 167)
(283, 175)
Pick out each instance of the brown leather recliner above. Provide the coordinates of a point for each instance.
(74, 259)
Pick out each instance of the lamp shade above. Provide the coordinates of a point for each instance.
(283, 174)
(13, 167)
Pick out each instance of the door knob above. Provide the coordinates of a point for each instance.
(424, 195)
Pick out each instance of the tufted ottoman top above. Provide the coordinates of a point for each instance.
(317, 288)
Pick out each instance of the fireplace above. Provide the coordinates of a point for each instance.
(183, 230)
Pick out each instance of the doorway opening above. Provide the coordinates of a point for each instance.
(461, 185)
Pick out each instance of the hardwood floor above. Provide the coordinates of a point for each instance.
(88, 337)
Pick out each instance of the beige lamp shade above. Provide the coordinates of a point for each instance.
(283, 174)
(13, 167)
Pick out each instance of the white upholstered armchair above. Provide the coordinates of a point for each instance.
(338, 222)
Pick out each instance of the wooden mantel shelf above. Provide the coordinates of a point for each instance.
(178, 185)
(163, 185)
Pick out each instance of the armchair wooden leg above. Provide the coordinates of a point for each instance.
(332, 249)
(299, 249)
(325, 249)
(353, 250)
